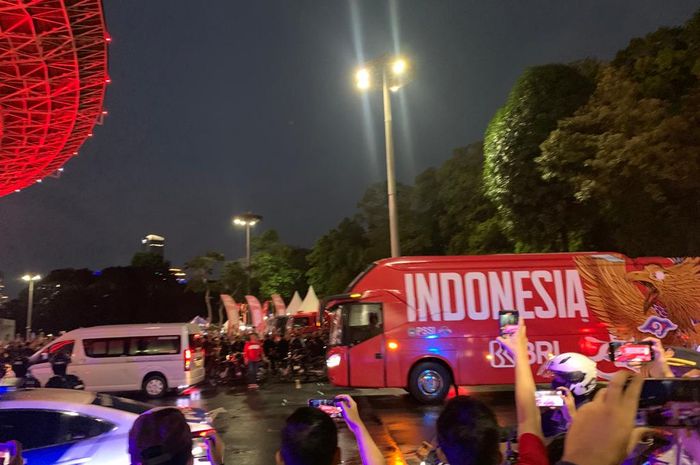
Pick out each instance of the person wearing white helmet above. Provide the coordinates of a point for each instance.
(575, 375)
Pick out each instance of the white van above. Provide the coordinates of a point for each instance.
(149, 357)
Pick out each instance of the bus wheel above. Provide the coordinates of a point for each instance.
(429, 382)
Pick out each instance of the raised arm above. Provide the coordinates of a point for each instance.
(528, 413)
(369, 452)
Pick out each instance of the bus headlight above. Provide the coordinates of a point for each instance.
(333, 361)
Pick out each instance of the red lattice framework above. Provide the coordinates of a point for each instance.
(53, 73)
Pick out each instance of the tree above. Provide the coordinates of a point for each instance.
(467, 219)
(374, 217)
(233, 280)
(636, 161)
(202, 271)
(275, 265)
(68, 298)
(665, 63)
(536, 214)
(337, 257)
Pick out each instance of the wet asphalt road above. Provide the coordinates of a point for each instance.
(251, 423)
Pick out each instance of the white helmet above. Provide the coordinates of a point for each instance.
(571, 370)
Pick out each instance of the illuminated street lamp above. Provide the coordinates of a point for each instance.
(394, 73)
(247, 220)
(30, 305)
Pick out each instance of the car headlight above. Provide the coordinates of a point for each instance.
(333, 361)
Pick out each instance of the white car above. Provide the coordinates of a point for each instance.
(68, 427)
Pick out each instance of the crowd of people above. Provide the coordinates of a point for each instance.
(12, 349)
(15, 361)
(274, 352)
(595, 426)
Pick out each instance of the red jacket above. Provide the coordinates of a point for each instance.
(253, 351)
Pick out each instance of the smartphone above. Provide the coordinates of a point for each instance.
(631, 351)
(329, 406)
(508, 322)
(549, 399)
(670, 403)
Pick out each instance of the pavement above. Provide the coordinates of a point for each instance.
(250, 423)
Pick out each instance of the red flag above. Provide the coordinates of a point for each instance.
(232, 312)
(280, 308)
(255, 311)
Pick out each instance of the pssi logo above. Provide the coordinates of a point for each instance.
(539, 352)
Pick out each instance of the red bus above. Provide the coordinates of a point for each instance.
(427, 323)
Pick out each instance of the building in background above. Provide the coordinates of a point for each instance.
(3, 297)
(154, 244)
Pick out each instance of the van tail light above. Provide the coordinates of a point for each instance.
(188, 359)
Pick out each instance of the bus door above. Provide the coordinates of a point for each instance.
(364, 335)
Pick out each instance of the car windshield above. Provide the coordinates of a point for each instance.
(119, 403)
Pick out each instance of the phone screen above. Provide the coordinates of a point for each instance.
(328, 406)
(508, 322)
(631, 352)
(549, 399)
(670, 403)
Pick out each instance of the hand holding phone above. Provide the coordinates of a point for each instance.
(351, 414)
(508, 322)
(626, 352)
(329, 406)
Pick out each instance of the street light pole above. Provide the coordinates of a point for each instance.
(30, 303)
(395, 73)
(390, 177)
(247, 220)
(247, 246)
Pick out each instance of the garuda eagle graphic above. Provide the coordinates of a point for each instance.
(659, 300)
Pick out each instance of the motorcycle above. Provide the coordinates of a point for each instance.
(302, 366)
(228, 370)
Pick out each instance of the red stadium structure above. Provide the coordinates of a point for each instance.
(53, 74)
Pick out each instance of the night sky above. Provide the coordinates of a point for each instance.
(221, 106)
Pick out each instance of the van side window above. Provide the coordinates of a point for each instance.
(105, 347)
(154, 345)
(364, 321)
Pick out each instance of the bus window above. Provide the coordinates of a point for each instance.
(364, 321)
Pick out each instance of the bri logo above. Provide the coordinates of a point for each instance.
(538, 351)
